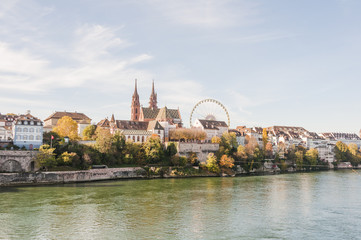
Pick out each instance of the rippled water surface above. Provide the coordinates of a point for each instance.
(323, 205)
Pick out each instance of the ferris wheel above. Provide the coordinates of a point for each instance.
(210, 109)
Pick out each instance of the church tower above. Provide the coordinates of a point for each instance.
(153, 99)
(135, 105)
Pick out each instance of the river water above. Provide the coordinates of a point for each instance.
(320, 205)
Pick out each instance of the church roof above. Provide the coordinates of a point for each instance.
(74, 115)
(104, 123)
(154, 125)
(131, 125)
(149, 113)
(165, 113)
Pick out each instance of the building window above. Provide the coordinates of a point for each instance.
(25, 122)
(31, 130)
(25, 130)
(25, 137)
(19, 129)
(31, 123)
(142, 138)
(37, 137)
(31, 137)
(133, 138)
(18, 137)
(138, 139)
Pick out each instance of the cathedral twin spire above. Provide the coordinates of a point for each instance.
(135, 109)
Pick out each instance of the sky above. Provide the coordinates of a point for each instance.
(269, 62)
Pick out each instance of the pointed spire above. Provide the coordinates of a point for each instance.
(135, 109)
(135, 88)
(153, 98)
(113, 119)
(153, 93)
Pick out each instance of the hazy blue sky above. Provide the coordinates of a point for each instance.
(270, 62)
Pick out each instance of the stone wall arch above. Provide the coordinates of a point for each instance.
(11, 165)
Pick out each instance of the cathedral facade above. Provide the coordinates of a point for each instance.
(151, 113)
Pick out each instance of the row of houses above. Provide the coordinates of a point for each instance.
(282, 137)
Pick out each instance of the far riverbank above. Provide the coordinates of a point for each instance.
(64, 177)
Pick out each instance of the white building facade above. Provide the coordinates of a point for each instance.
(27, 132)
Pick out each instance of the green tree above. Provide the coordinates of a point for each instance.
(47, 138)
(45, 157)
(67, 158)
(89, 132)
(216, 139)
(153, 150)
(67, 127)
(355, 158)
(342, 153)
(171, 150)
(212, 164)
(312, 157)
(228, 144)
(104, 140)
(299, 159)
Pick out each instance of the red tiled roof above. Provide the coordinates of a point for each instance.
(74, 115)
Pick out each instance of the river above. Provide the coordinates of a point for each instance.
(319, 205)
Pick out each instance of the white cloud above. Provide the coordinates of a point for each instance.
(92, 66)
(206, 13)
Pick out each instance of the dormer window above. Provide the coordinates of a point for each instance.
(25, 122)
(31, 123)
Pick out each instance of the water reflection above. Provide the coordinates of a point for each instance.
(310, 205)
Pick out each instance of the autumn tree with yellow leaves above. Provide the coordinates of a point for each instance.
(67, 127)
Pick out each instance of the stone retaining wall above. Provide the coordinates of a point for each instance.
(7, 179)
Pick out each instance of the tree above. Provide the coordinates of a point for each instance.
(47, 138)
(228, 144)
(312, 157)
(103, 140)
(269, 150)
(216, 139)
(251, 144)
(67, 127)
(171, 150)
(89, 132)
(153, 150)
(45, 157)
(187, 134)
(226, 161)
(355, 154)
(342, 153)
(264, 139)
(211, 163)
(241, 152)
(299, 159)
(67, 158)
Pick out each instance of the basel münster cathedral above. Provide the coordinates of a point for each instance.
(146, 114)
(144, 121)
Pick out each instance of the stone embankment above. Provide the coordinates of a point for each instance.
(37, 178)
